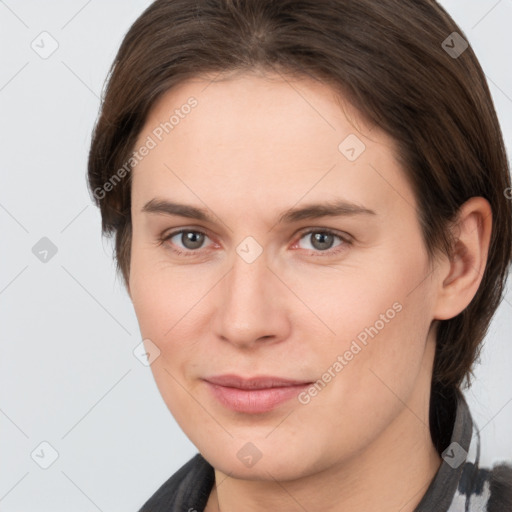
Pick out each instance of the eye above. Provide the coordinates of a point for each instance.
(321, 241)
(191, 241)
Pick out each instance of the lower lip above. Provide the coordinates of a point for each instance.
(254, 401)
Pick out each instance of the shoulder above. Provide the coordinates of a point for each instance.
(186, 489)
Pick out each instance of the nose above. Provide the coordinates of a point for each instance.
(251, 305)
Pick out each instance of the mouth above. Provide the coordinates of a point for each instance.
(254, 395)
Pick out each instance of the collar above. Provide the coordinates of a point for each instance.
(459, 484)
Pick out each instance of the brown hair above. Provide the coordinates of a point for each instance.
(390, 58)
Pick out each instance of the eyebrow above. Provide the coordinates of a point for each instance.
(335, 208)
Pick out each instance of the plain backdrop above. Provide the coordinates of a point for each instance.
(68, 375)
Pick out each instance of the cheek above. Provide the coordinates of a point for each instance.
(170, 304)
(165, 303)
(380, 319)
(163, 296)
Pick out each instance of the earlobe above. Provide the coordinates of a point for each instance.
(462, 274)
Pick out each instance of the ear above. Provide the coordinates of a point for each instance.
(461, 274)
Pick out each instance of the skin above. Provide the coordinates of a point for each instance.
(253, 147)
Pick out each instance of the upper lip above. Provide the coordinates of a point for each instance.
(259, 382)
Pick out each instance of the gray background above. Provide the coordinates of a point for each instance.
(68, 330)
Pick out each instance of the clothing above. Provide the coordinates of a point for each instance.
(459, 485)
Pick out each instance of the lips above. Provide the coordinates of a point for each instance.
(254, 395)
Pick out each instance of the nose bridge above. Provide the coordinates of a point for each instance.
(247, 306)
(248, 283)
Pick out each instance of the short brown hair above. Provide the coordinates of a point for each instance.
(388, 59)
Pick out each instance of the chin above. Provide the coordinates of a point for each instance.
(261, 460)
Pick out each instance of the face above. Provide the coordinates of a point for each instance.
(306, 265)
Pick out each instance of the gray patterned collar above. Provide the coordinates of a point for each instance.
(459, 485)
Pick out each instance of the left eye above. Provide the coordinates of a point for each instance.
(322, 240)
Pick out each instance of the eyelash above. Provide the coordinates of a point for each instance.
(330, 252)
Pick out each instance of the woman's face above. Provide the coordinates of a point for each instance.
(278, 277)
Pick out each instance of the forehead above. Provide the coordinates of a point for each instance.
(253, 106)
(278, 137)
